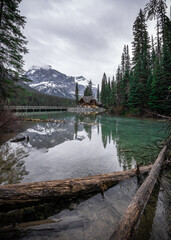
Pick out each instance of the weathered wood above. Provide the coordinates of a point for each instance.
(19, 195)
(129, 222)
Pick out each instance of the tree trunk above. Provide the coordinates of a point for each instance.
(129, 222)
(19, 195)
(1, 12)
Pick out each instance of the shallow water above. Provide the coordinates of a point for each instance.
(94, 218)
(78, 146)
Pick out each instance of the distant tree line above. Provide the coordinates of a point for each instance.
(26, 98)
(144, 82)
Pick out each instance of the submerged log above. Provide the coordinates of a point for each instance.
(26, 194)
(19, 139)
(128, 224)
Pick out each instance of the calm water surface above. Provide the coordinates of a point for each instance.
(78, 146)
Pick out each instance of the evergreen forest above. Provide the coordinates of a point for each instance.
(143, 83)
(25, 97)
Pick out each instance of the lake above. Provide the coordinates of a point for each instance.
(77, 146)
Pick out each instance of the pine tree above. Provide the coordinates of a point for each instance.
(76, 93)
(157, 9)
(140, 63)
(118, 86)
(107, 93)
(103, 90)
(125, 66)
(113, 92)
(98, 93)
(12, 46)
(88, 90)
(160, 99)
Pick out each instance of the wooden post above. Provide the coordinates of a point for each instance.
(129, 222)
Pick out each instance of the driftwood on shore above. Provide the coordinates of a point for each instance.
(129, 222)
(25, 194)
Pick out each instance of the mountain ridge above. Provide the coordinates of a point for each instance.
(50, 81)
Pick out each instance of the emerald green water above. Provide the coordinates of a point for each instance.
(78, 146)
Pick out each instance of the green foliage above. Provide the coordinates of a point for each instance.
(113, 93)
(141, 63)
(103, 89)
(26, 98)
(125, 88)
(146, 85)
(76, 93)
(12, 47)
(88, 90)
(106, 89)
(160, 99)
(98, 93)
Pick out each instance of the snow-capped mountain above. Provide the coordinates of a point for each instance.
(50, 81)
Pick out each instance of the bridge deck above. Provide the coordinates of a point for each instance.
(36, 108)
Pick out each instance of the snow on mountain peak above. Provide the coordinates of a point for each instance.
(46, 67)
(56, 83)
(81, 81)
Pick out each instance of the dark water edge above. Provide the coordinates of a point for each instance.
(97, 216)
(155, 223)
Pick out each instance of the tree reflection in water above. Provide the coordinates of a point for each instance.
(79, 145)
(135, 140)
(12, 169)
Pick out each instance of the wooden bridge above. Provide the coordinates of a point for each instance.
(36, 108)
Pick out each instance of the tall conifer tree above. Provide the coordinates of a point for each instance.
(140, 63)
(12, 46)
(76, 93)
(103, 89)
(98, 93)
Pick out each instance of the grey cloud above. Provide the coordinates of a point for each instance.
(79, 36)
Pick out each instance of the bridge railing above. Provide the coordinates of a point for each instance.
(27, 108)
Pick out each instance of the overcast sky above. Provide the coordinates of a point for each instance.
(79, 37)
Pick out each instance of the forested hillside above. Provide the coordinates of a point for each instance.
(143, 83)
(31, 97)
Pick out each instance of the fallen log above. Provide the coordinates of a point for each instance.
(41, 120)
(26, 194)
(19, 139)
(128, 224)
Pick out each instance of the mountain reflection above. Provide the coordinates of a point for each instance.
(78, 145)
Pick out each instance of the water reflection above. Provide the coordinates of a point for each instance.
(135, 140)
(156, 221)
(12, 168)
(93, 218)
(80, 145)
